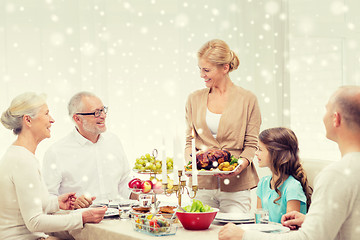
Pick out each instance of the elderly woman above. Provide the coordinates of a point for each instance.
(25, 202)
(224, 116)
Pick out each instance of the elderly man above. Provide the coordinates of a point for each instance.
(87, 161)
(335, 209)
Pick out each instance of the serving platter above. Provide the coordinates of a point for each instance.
(212, 172)
(151, 172)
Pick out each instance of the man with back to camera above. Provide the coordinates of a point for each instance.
(335, 209)
(88, 161)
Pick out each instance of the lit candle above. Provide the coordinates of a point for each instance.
(164, 163)
(183, 177)
(176, 177)
(178, 156)
(194, 167)
(164, 171)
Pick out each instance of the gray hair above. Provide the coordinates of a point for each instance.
(28, 103)
(76, 105)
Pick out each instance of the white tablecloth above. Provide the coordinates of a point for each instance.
(110, 229)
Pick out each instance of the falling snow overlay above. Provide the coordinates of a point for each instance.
(140, 58)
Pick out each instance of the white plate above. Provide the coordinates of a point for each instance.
(235, 216)
(213, 172)
(267, 228)
(114, 203)
(111, 212)
(234, 221)
(127, 202)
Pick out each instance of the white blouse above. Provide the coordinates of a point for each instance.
(25, 201)
(213, 120)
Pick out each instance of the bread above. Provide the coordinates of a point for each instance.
(167, 209)
(141, 209)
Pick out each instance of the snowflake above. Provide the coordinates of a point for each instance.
(351, 26)
(54, 18)
(88, 49)
(338, 8)
(110, 156)
(347, 171)
(272, 7)
(286, 112)
(126, 5)
(266, 27)
(215, 11)
(57, 39)
(10, 8)
(233, 7)
(181, 20)
(37, 201)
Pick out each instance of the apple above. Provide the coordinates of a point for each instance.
(146, 186)
(157, 187)
(132, 180)
(135, 183)
(151, 183)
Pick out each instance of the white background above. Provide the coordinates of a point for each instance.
(140, 58)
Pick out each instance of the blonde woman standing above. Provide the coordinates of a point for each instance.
(25, 202)
(223, 116)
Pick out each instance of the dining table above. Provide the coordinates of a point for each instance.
(117, 228)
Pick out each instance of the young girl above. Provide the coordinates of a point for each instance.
(287, 188)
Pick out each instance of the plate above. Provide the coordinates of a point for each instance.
(151, 172)
(128, 202)
(235, 217)
(115, 203)
(111, 212)
(212, 172)
(267, 228)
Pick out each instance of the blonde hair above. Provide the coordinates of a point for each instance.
(28, 103)
(218, 52)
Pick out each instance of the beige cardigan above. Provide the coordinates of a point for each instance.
(238, 132)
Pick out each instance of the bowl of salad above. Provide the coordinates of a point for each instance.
(197, 216)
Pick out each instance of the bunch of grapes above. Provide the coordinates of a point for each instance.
(148, 163)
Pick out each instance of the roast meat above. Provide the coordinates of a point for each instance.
(212, 158)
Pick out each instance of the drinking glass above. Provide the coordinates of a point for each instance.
(261, 216)
(145, 200)
(124, 211)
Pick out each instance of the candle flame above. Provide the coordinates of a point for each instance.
(193, 133)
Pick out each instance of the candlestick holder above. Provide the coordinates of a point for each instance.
(180, 189)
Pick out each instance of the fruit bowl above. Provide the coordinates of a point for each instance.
(197, 220)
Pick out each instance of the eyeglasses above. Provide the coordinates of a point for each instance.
(96, 113)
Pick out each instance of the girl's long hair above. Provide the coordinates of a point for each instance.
(282, 145)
